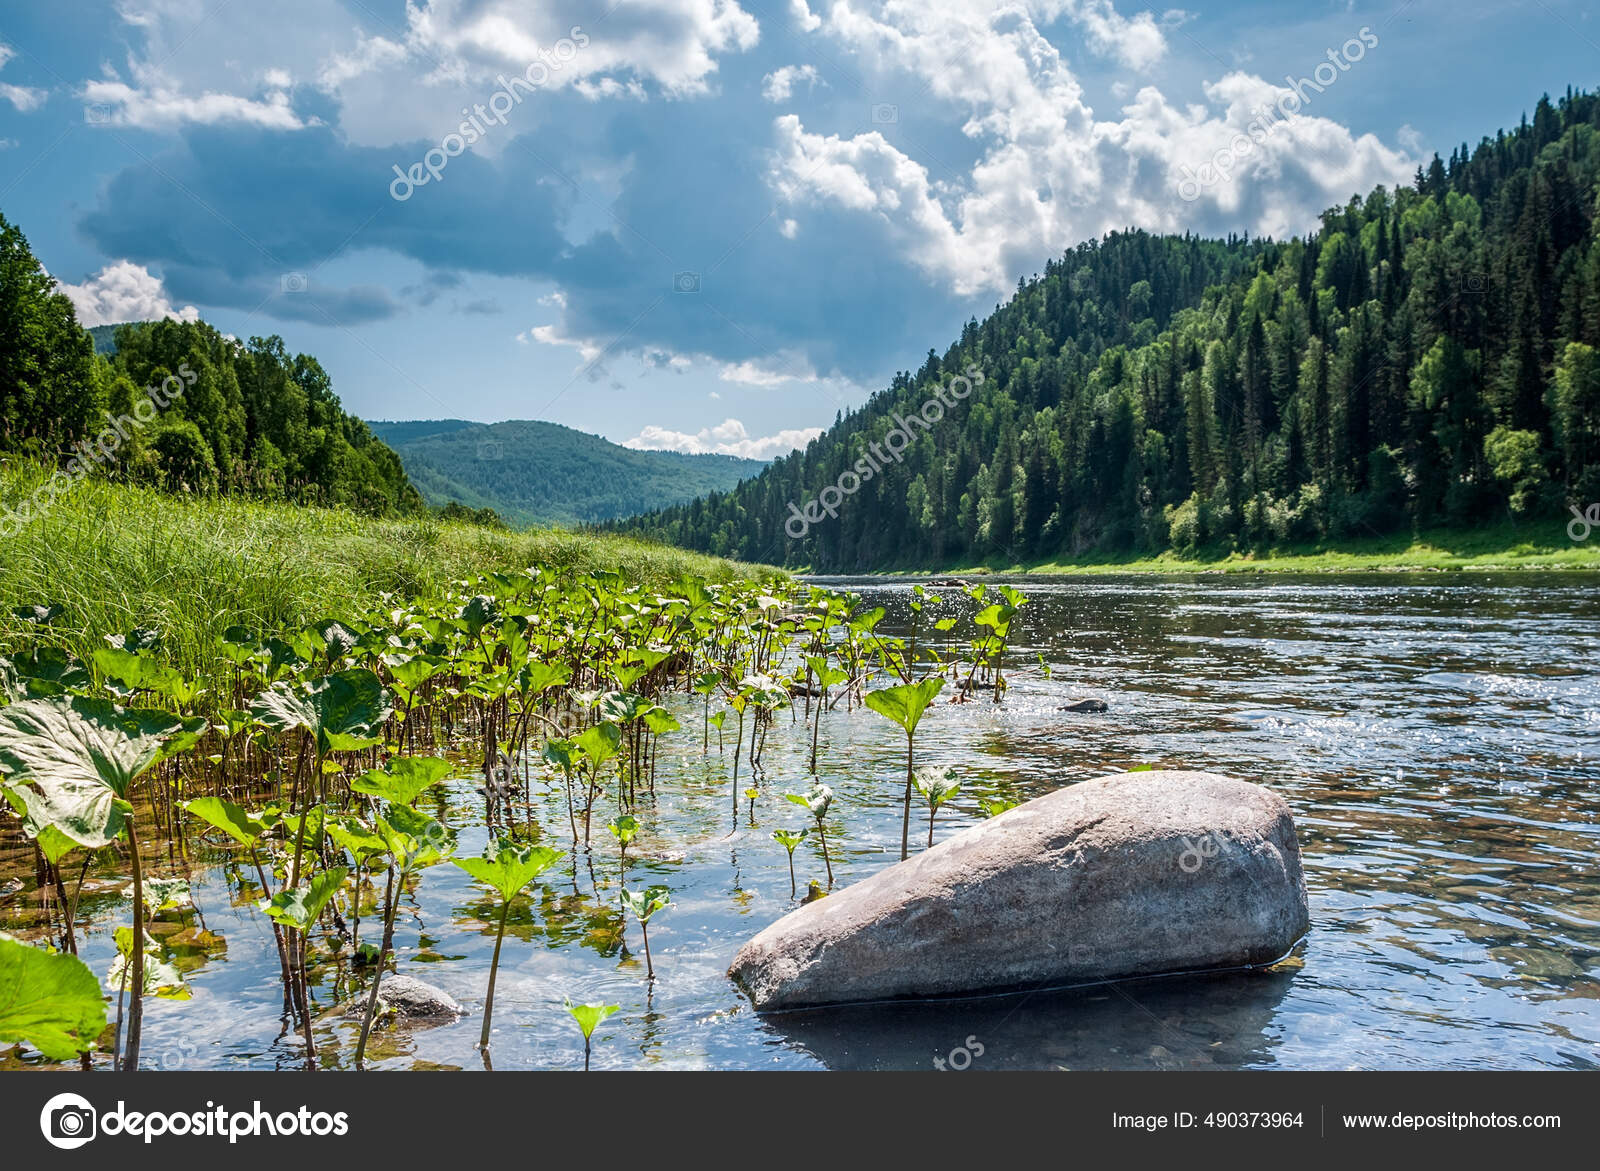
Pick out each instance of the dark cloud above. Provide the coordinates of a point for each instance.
(229, 215)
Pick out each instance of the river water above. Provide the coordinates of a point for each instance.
(1436, 735)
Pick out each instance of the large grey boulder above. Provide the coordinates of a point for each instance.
(1128, 875)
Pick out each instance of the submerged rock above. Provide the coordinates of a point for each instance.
(1129, 875)
(1086, 705)
(407, 999)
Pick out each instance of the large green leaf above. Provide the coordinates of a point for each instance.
(906, 703)
(54, 844)
(141, 673)
(660, 721)
(480, 611)
(71, 760)
(164, 894)
(412, 673)
(43, 671)
(826, 676)
(234, 820)
(415, 839)
(345, 711)
(536, 676)
(512, 867)
(564, 754)
(599, 743)
(300, 907)
(356, 838)
(50, 1001)
(623, 706)
(403, 779)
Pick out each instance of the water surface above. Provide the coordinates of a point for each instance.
(1435, 734)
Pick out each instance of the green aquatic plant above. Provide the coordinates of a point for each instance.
(297, 909)
(937, 785)
(817, 800)
(598, 744)
(789, 839)
(826, 677)
(412, 841)
(508, 872)
(50, 1000)
(995, 806)
(70, 763)
(589, 1018)
(904, 705)
(624, 827)
(321, 740)
(644, 904)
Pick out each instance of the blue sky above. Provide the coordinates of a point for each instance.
(697, 224)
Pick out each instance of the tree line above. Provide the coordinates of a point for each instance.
(192, 409)
(1428, 356)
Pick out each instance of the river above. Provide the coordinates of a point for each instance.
(1435, 735)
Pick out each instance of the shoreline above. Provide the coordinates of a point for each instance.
(1544, 547)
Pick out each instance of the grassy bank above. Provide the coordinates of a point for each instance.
(117, 558)
(1531, 546)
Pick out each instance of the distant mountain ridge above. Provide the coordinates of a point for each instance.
(533, 472)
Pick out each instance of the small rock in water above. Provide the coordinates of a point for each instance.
(1086, 705)
(411, 1000)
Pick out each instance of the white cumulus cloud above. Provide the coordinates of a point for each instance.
(155, 102)
(23, 97)
(728, 437)
(1049, 171)
(120, 292)
(778, 86)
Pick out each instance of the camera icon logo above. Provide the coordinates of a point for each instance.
(885, 114)
(491, 449)
(1475, 282)
(68, 1121)
(293, 282)
(686, 282)
(97, 114)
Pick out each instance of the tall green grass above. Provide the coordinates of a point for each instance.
(118, 557)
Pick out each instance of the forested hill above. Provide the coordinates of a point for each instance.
(532, 472)
(1426, 357)
(191, 409)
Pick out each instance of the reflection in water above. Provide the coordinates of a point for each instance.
(1204, 1022)
(1434, 734)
